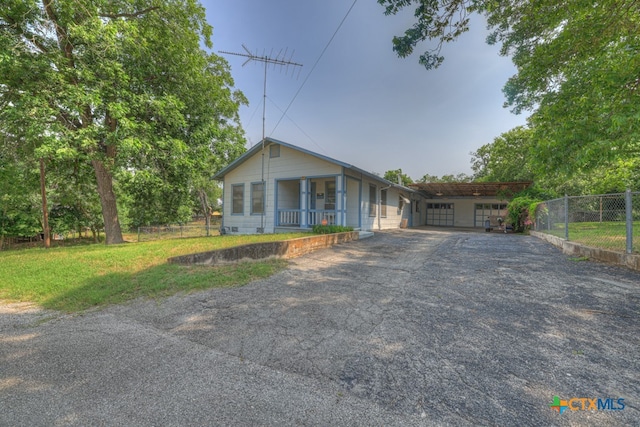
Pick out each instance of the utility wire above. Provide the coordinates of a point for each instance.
(284, 114)
(314, 65)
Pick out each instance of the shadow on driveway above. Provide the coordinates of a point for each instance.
(410, 327)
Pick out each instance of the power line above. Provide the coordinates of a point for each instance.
(296, 125)
(279, 60)
(314, 65)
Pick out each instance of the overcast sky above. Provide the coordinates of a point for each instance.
(362, 104)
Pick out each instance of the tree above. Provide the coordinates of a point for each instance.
(507, 158)
(206, 192)
(461, 177)
(439, 20)
(118, 86)
(19, 203)
(577, 70)
(397, 177)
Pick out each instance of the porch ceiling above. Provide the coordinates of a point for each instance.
(470, 189)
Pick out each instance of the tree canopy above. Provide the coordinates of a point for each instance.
(397, 177)
(507, 158)
(577, 72)
(119, 87)
(461, 177)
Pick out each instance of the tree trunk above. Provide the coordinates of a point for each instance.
(45, 212)
(108, 202)
(204, 205)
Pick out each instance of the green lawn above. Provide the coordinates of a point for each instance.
(606, 235)
(76, 278)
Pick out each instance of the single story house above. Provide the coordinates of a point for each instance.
(276, 186)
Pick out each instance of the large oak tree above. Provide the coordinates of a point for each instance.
(578, 70)
(121, 85)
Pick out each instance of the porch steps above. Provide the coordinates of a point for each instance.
(364, 234)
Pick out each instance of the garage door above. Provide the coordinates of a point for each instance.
(485, 210)
(440, 214)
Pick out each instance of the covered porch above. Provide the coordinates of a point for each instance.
(305, 202)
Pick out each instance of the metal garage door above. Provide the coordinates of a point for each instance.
(484, 210)
(440, 214)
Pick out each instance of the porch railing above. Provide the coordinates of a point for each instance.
(291, 217)
(316, 217)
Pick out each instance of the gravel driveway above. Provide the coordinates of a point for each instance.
(409, 327)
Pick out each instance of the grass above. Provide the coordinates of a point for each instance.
(72, 279)
(605, 235)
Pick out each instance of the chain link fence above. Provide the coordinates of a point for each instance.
(607, 221)
(158, 232)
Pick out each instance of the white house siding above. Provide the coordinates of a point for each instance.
(394, 214)
(418, 211)
(354, 205)
(250, 172)
(288, 193)
(291, 164)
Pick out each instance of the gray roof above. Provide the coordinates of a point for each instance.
(267, 141)
(505, 190)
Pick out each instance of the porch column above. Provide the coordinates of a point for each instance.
(304, 197)
(341, 194)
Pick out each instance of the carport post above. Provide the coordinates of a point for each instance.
(566, 217)
(629, 212)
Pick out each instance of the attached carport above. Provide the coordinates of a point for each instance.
(466, 204)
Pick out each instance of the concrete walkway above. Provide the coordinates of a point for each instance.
(409, 327)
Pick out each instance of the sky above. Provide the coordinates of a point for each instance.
(361, 104)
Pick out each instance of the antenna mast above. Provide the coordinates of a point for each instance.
(281, 60)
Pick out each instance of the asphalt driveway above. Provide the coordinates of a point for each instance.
(409, 327)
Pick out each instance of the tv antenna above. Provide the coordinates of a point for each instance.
(281, 60)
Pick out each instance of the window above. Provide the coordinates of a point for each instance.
(330, 195)
(257, 198)
(383, 203)
(238, 199)
(274, 150)
(372, 200)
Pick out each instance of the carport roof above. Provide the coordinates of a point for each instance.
(470, 189)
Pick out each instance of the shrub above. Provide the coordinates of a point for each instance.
(522, 212)
(329, 229)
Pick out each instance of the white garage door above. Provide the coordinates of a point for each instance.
(440, 214)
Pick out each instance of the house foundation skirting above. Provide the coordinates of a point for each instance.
(256, 251)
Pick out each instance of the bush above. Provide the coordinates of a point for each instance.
(329, 229)
(522, 212)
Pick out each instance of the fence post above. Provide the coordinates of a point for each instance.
(629, 212)
(566, 217)
(138, 234)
